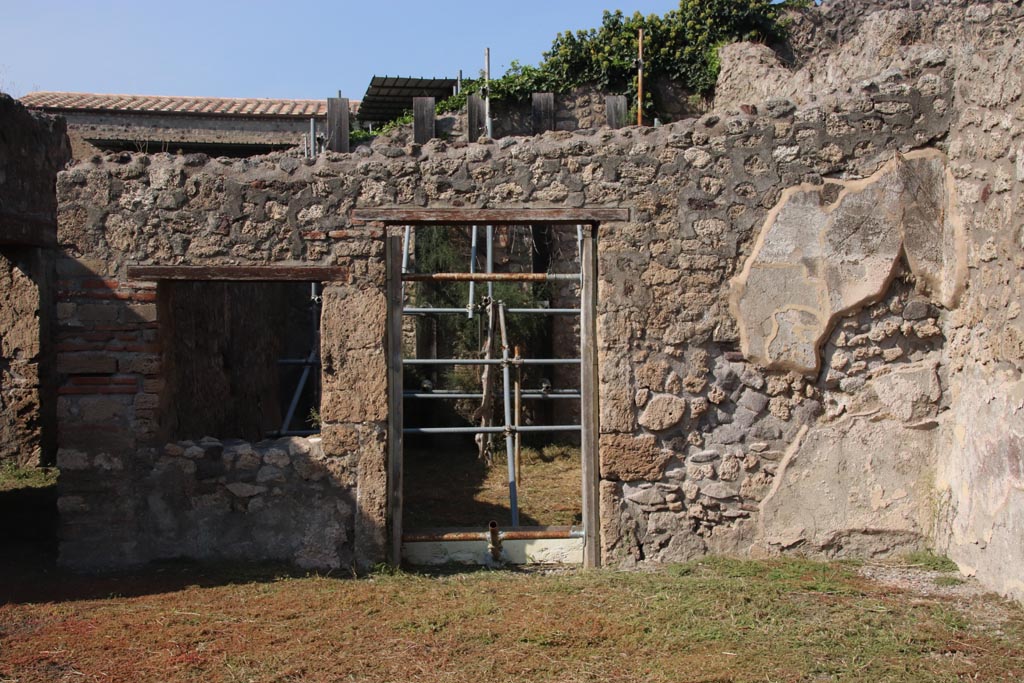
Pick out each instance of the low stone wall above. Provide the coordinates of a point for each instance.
(218, 500)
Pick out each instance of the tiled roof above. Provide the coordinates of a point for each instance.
(222, 106)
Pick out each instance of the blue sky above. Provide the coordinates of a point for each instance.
(285, 49)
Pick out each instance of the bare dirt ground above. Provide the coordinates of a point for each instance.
(457, 489)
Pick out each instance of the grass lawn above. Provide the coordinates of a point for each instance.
(714, 620)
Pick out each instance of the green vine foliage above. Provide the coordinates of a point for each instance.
(681, 46)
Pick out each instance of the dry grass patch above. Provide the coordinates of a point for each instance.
(457, 489)
(717, 620)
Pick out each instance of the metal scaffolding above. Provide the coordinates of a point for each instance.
(496, 312)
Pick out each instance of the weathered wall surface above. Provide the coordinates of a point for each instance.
(32, 151)
(127, 493)
(691, 434)
(980, 484)
(978, 498)
(811, 317)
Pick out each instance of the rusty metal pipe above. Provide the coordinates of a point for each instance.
(520, 534)
(494, 542)
(489, 277)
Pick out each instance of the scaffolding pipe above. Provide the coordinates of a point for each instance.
(310, 362)
(472, 269)
(487, 93)
(490, 278)
(518, 419)
(526, 396)
(520, 534)
(490, 228)
(491, 361)
(514, 311)
(551, 393)
(513, 494)
(312, 139)
(494, 541)
(525, 429)
(405, 256)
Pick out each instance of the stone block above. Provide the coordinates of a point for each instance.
(632, 458)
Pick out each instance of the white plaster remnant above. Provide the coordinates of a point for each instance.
(816, 261)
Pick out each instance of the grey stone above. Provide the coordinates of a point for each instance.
(704, 456)
(753, 401)
(720, 490)
(243, 490)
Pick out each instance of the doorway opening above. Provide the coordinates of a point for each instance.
(492, 380)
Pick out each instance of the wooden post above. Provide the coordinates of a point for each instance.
(422, 119)
(588, 404)
(518, 421)
(475, 127)
(337, 124)
(616, 108)
(543, 112)
(640, 81)
(393, 259)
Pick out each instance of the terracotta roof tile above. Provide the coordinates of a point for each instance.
(180, 105)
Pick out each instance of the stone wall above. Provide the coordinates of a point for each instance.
(670, 390)
(32, 150)
(806, 324)
(980, 484)
(977, 508)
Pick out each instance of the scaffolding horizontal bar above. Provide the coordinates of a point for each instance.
(490, 277)
(297, 361)
(492, 430)
(490, 361)
(572, 392)
(520, 534)
(544, 311)
(463, 395)
(434, 311)
(517, 311)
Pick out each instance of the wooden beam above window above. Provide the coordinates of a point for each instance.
(275, 273)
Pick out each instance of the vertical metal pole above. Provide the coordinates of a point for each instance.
(472, 269)
(513, 495)
(490, 259)
(405, 255)
(307, 369)
(519, 418)
(489, 126)
(589, 418)
(640, 82)
(312, 138)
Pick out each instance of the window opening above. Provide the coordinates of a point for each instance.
(241, 358)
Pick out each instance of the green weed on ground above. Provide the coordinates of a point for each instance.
(928, 560)
(15, 477)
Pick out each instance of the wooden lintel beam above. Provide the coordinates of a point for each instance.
(240, 273)
(408, 216)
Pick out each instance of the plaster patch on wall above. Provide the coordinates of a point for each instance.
(817, 260)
